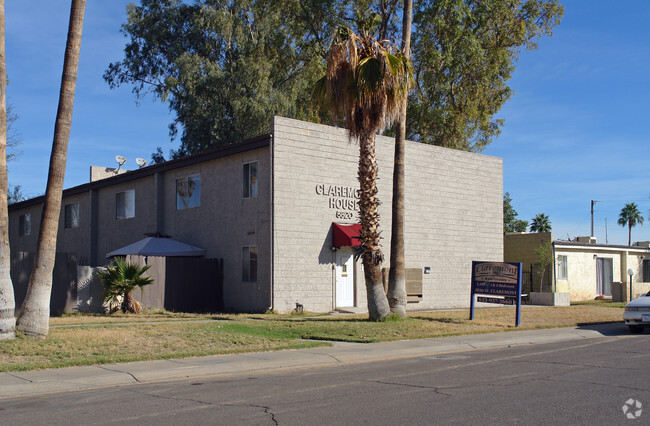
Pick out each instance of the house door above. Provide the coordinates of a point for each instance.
(344, 278)
(604, 276)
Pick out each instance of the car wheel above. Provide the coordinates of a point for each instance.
(636, 328)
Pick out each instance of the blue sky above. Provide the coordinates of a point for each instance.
(576, 130)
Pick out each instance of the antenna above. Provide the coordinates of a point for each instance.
(120, 161)
(141, 162)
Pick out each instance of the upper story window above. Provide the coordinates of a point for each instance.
(188, 192)
(25, 225)
(71, 215)
(250, 180)
(125, 204)
(562, 269)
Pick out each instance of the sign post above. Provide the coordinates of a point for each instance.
(498, 282)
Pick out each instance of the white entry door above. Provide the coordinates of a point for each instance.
(344, 278)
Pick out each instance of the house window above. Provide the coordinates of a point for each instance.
(250, 180)
(249, 264)
(72, 215)
(562, 271)
(125, 204)
(25, 225)
(646, 271)
(188, 192)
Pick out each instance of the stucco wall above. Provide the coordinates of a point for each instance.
(453, 214)
(581, 268)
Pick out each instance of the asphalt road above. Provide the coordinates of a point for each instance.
(576, 382)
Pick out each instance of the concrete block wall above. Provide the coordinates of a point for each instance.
(453, 214)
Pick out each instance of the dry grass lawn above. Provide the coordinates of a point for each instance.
(87, 340)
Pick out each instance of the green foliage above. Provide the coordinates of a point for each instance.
(226, 67)
(120, 279)
(464, 54)
(510, 221)
(544, 255)
(630, 216)
(540, 223)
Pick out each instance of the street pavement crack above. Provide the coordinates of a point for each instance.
(118, 371)
(267, 410)
(409, 385)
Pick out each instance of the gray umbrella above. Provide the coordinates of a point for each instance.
(154, 246)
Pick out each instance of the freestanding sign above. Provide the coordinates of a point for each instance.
(497, 282)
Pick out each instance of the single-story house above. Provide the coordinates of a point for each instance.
(280, 210)
(583, 268)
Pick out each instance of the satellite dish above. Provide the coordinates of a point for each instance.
(120, 160)
(141, 162)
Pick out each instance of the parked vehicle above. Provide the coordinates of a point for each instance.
(637, 314)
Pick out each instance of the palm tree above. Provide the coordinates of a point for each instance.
(540, 223)
(34, 315)
(397, 275)
(366, 82)
(7, 302)
(120, 279)
(630, 216)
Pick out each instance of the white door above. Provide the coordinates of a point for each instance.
(344, 278)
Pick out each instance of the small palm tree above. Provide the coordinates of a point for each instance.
(367, 80)
(630, 216)
(540, 223)
(120, 279)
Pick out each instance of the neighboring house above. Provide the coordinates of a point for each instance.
(582, 267)
(280, 210)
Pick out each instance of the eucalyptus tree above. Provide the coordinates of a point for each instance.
(630, 216)
(7, 301)
(366, 81)
(464, 54)
(540, 223)
(34, 315)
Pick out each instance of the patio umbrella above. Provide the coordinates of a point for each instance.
(155, 246)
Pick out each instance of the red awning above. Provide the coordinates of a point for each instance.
(345, 235)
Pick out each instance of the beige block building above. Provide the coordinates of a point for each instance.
(268, 207)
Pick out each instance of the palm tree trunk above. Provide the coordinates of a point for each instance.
(369, 234)
(7, 302)
(397, 274)
(35, 313)
(629, 234)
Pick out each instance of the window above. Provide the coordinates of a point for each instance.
(250, 180)
(249, 264)
(646, 271)
(562, 272)
(25, 225)
(72, 215)
(125, 204)
(188, 192)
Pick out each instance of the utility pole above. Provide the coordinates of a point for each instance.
(592, 216)
(606, 241)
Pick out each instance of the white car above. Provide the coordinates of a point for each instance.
(637, 314)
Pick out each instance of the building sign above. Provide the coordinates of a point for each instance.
(497, 282)
(343, 199)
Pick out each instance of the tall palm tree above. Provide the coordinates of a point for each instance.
(540, 223)
(34, 315)
(7, 302)
(397, 275)
(366, 82)
(630, 216)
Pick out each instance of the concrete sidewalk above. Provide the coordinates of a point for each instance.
(40, 382)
